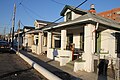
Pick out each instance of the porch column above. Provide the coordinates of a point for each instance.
(32, 38)
(26, 40)
(89, 47)
(49, 36)
(63, 39)
(40, 43)
(29, 40)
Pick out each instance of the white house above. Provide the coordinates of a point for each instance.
(26, 37)
(20, 39)
(91, 35)
(38, 38)
(83, 35)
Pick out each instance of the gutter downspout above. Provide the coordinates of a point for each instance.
(98, 53)
(93, 43)
(94, 31)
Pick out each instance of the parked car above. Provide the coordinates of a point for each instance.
(4, 46)
(15, 46)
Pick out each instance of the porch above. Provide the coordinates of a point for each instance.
(88, 39)
(37, 42)
(67, 44)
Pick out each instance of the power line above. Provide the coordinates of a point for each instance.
(26, 8)
(22, 23)
(13, 22)
(21, 2)
(12, 15)
(57, 2)
(65, 15)
(28, 13)
(10, 20)
(81, 4)
(57, 20)
(17, 6)
(30, 10)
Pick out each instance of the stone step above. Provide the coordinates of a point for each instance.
(57, 59)
(70, 65)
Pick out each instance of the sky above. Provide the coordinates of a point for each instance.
(27, 11)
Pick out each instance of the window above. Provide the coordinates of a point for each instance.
(117, 44)
(68, 16)
(45, 39)
(36, 41)
(98, 42)
(82, 41)
(57, 43)
(69, 41)
(69, 38)
(57, 39)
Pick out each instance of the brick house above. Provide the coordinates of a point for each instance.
(113, 14)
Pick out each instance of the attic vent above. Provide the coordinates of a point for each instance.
(68, 16)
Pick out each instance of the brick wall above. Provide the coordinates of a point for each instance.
(113, 14)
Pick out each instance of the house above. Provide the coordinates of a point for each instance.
(83, 35)
(25, 36)
(113, 14)
(85, 31)
(18, 39)
(39, 38)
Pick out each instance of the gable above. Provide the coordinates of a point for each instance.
(74, 9)
(71, 13)
(40, 23)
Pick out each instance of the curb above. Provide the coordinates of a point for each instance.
(39, 68)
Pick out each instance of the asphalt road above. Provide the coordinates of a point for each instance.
(12, 67)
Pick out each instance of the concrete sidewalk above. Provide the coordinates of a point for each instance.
(63, 72)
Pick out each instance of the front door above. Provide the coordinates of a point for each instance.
(117, 41)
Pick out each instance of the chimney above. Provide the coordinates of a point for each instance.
(92, 9)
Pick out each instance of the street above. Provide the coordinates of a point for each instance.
(12, 67)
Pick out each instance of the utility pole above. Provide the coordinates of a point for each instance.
(10, 36)
(4, 32)
(13, 24)
(18, 35)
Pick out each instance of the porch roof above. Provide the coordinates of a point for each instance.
(28, 27)
(34, 31)
(41, 21)
(89, 18)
